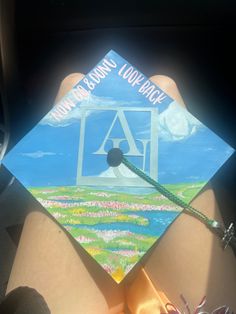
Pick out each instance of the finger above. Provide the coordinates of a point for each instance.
(67, 84)
(168, 86)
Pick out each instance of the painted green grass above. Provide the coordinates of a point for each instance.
(117, 251)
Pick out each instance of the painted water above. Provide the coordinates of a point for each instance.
(114, 227)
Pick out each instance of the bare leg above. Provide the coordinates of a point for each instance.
(61, 271)
(189, 258)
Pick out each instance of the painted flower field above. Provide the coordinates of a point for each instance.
(116, 228)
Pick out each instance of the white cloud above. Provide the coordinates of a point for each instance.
(124, 171)
(194, 178)
(75, 114)
(176, 123)
(37, 154)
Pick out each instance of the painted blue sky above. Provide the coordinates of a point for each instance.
(48, 155)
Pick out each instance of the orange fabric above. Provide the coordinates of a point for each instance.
(143, 298)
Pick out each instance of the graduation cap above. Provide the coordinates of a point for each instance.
(71, 162)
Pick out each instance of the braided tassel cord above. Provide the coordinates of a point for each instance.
(227, 236)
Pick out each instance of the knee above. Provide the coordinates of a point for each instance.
(71, 79)
(67, 84)
(169, 86)
(165, 82)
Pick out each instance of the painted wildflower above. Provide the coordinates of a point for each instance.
(83, 239)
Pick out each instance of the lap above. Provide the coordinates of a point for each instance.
(188, 258)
